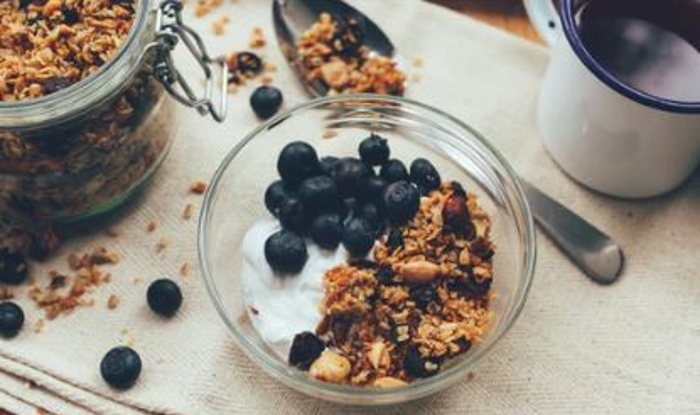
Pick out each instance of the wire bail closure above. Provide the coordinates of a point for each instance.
(170, 30)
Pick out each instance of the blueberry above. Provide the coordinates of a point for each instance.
(374, 150)
(319, 194)
(349, 174)
(372, 188)
(292, 215)
(423, 295)
(286, 252)
(296, 162)
(401, 202)
(327, 230)
(328, 164)
(306, 347)
(395, 239)
(358, 237)
(266, 101)
(121, 367)
(11, 319)
(394, 171)
(13, 267)
(425, 175)
(275, 194)
(372, 214)
(418, 367)
(164, 297)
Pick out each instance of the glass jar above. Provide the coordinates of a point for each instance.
(86, 149)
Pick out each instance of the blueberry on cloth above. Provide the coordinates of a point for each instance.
(266, 101)
(121, 367)
(11, 319)
(13, 267)
(164, 297)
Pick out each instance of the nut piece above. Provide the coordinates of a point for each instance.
(419, 272)
(386, 383)
(465, 256)
(330, 367)
(379, 355)
(335, 74)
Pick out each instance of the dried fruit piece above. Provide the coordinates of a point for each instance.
(306, 348)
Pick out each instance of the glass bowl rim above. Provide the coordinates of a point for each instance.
(281, 370)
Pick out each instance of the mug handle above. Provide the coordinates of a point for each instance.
(544, 16)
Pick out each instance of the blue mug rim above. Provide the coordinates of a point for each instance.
(573, 36)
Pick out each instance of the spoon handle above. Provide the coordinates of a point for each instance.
(589, 248)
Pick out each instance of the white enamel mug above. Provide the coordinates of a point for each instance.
(603, 133)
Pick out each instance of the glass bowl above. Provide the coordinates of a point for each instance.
(234, 201)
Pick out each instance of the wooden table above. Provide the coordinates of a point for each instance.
(506, 14)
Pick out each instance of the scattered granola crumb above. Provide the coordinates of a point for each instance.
(185, 269)
(254, 310)
(266, 80)
(137, 280)
(39, 325)
(416, 77)
(220, 25)
(42, 411)
(6, 294)
(204, 7)
(330, 133)
(151, 226)
(188, 212)
(257, 38)
(198, 187)
(112, 302)
(112, 232)
(418, 61)
(162, 244)
(65, 293)
(270, 67)
(471, 375)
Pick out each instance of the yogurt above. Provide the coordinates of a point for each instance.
(282, 306)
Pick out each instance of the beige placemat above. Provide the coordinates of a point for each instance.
(579, 348)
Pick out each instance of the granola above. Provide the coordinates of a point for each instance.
(404, 315)
(332, 53)
(49, 45)
(89, 160)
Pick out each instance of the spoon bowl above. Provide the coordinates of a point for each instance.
(292, 18)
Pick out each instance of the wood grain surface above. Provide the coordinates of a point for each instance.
(506, 14)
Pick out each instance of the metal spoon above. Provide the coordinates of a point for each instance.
(294, 17)
(589, 248)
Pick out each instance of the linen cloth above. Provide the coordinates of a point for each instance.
(578, 348)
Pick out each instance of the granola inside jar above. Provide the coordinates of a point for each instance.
(85, 119)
